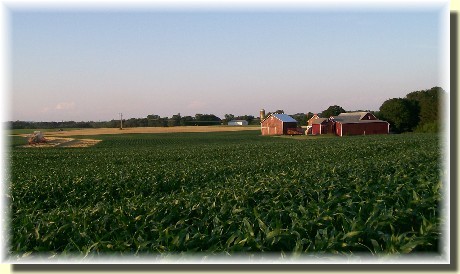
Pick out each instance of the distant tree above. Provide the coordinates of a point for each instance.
(332, 111)
(301, 118)
(248, 118)
(206, 120)
(429, 104)
(154, 121)
(401, 113)
(174, 120)
(255, 121)
(153, 117)
(186, 120)
(157, 121)
(171, 123)
(198, 116)
(114, 123)
(377, 114)
(228, 118)
(142, 122)
(131, 122)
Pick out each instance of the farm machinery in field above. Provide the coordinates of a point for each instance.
(36, 138)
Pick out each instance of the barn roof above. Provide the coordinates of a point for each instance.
(319, 120)
(284, 118)
(361, 114)
(347, 118)
(354, 117)
(365, 122)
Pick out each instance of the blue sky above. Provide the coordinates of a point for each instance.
(91, 65)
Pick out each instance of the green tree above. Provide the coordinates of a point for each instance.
(401, 113)
(332, 111)
(206, 119)
(175, 120)
(301, 118)
(429, 103)
(246, 117)
(228, 118)
(186, 120)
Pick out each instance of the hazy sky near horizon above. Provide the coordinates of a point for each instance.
(91, 65)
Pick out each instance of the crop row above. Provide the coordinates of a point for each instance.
(228, 193)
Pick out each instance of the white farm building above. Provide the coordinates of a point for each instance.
(238, 123)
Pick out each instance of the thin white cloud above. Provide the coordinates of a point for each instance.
(65, 106)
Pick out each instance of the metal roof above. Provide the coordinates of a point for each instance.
(347, 118)
(284, 118)
(365, 122)
(319, 120)
(351, 117)
(354, 117)
(361, 114)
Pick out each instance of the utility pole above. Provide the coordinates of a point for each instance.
(121, 120)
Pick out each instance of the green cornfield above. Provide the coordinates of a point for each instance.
(227, 193)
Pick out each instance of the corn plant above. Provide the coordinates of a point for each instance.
(227, 193)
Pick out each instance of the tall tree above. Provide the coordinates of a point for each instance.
(228, 118)
(301, 118)
(401, 113)
(429, 103)
(332, 111)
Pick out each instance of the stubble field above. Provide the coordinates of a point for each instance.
(105, 131)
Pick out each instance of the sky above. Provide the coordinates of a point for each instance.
(91, 65)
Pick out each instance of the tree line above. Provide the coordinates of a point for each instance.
(418, 111)
(152, 120)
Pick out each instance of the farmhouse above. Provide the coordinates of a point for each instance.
(278, 124)
(238, 123)
(351, 123)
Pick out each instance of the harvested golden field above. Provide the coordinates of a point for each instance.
(100, 131)
(63, 142)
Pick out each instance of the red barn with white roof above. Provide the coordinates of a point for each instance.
(357, 123)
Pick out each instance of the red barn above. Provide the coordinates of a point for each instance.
(357, 123)
(277, 124)
(312, 119)
(319, 126)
